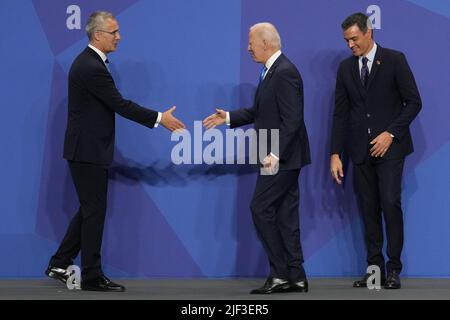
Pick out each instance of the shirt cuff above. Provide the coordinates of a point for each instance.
(278, 159)
(227, 119)
(158, 120)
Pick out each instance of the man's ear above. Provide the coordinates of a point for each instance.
(95, 36)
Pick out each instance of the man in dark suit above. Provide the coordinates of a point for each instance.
(278, 105)
(89, 145)
(376, 100)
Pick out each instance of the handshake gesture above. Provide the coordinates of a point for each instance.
(216, 119)
(170, 122)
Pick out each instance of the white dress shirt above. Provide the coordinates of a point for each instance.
(370, 57)
(271, 61)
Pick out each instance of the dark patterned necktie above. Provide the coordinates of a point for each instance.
(364, 71)
(107, 65)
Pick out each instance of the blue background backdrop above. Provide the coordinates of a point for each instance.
(193, 220)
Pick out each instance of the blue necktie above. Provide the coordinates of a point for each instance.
(263, 72)
(364, 71)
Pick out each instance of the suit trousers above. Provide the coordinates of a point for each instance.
(378, 187)
(85, 231)
(274, 207)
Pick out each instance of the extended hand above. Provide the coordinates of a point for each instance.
(170, 122)
(381, 144)
(336, 168)
(216, 119)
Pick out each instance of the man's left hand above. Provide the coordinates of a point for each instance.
(381, 144)
(271, 164)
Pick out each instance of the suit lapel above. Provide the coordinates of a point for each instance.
(267, 78)
(96, 56)
(375, 66)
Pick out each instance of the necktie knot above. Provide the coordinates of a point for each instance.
(107, 65)
(364, 61)
(263, 73)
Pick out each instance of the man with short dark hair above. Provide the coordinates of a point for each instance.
(89, 145)
(376, 100)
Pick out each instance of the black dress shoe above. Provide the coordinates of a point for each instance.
(101, 283)
(393, 281)
(299, 286)
(57, 273)
(272, 285)
(363, 282)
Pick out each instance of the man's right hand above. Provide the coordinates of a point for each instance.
(170, 122)
(216, 119)
(336, 168)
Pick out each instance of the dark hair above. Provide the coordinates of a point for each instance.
(360, 19)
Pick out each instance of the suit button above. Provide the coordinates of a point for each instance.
(368, 115)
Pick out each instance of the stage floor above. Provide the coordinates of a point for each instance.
(223, 289)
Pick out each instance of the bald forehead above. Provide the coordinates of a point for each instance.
(260, 30)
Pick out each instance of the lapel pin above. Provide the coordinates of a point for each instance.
(378, 62)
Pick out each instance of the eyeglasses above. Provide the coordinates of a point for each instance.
(113, 33)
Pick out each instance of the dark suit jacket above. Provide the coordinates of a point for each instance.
(390, 102)
(93, 102)
(279, 105)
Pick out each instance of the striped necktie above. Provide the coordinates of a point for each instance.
(364, 72)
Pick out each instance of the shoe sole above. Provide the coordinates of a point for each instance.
(102, 290)
(57, 277)
(392, 288)
(279, 290)
(365, 285)
(297, 290)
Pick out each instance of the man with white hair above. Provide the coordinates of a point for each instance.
(89, 145)
(278, 105)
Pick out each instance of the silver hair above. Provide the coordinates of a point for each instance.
(96, 21)
(268, 32)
